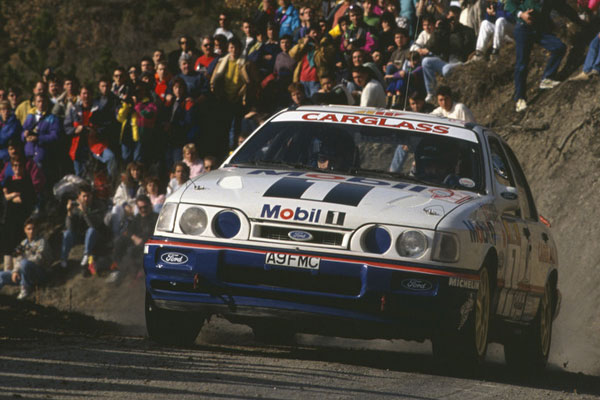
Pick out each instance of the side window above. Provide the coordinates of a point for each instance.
(527, 203)
(502, 172)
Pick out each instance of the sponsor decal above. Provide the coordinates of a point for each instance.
(509, 195)
(449, 195)
(463, 283)
(418, 285)
(466, 182)
(299, 214)
(481, 232)
(547, 253)
(174, 258)
(292, 260)
(301, 236)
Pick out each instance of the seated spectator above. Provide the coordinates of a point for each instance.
(124, 199)
(10, 128)
(416, 102)
(451, 42)
(591, 65)
(328, 94)
(15, 150)
(298, 95)
(387, 36)
(83, 224)
(369, 16)
(20, 199)
(287, 17)
(152, 185)
(210, 163)
(191, 159)
(401, 22)
(435, 8)
(449, 108)
(32, 260)
(397, 66)
(498, 24)
(181, 174)
(409, 78)
(129, 247)
(40, 134)
(420, 44)
(372, 94)
(358, 35)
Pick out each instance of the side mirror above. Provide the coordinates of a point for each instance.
(508, 199)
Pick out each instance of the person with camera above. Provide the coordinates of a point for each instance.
(498, 24)
(534, 26)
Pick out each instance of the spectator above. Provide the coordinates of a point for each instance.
(328, 94)
(133, 73)
(416, 102)
(498, 24)
(533, 26)
(284, 64)
(315, 57)
(191, 159)
(83, 224)
(32, 261)
(408, 11)
(147, 65)
(15, 150)
(207, 57)
(449, 108)
(287, 18)
(398, 63)
(187, 47)
(359, 60)
(372, 94)
(591, 65)
(210, 162)
(369, 16)
(123, 201)
(20, 199)
(197, 84)
(420, 44)
(40, 134)
(306, 20)
(152, 186)
(264, 58)
(249, 36)
(223, 28)
(13, 97)
(182, 125)
(221, 44)
(67, 99)
(338, 12)
(146, 114)
(438, 9)
(412, 75)
(387, 35)
(358, 35)
(298, 95)
(451, 42)
(53, 89)
(181, 174)
(162, 79)
(401, 22)
(27, 106)
(129, 247)
(121, 86)
(157, 57)
(265, 14)
(10, 129)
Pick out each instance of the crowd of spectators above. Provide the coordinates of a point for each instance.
(139, 134)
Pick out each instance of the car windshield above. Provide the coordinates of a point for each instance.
(369, 151)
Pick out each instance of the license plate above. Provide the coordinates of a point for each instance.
(292, 260)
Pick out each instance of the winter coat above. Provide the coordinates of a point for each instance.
(47, 129)
(324, 56)
(9, 129)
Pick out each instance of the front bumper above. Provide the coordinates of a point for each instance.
(345, 296)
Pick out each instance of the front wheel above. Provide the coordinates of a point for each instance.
(529, 351)
(172, 327)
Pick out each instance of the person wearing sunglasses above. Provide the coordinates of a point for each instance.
(223, 28)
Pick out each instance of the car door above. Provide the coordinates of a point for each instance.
(513, 274)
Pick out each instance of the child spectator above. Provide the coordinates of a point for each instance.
(181, 174)
(298, 95)
(124, 198)
(191, 159)
(152, 185)
(210, 163)
(32, 260)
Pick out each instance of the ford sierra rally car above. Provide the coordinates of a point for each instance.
(360, 222)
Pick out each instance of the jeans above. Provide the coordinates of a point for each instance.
(525, 37)
(431, 65)
(310, 88)
(592, 58)
(30, 272)
(69, 238)
(498, 31)
(131, 151)
(107, 157)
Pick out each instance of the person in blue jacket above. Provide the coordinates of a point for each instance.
(10, 128)
(287, 17)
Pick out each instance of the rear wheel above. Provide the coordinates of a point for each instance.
(468, 344)
(529, 351)
(172, 327)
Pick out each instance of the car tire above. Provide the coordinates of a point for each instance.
(172, 327)
(467, 346)
(274, 333)
(529, 351)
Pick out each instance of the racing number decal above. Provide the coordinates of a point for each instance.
(349, 194)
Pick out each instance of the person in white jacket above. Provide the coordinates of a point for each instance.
(372, 94)
(449, 108)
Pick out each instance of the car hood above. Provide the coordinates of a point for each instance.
(328, 200)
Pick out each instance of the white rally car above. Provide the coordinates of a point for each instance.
(365, 223)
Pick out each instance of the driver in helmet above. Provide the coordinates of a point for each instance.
(436, 162)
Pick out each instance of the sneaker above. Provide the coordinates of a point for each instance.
(63, 264)
(91, 266)
(521, 105)
(85, 260)
(113, 277)
(582, 76)
(430, 99)
(593, 72)
(24, 293)
(548, 84)
(477, 56)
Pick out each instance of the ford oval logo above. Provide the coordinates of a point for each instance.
(416, 284)
(174, 258)
(300, 236)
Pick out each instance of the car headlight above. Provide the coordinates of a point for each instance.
(377, 240)
(411, 244)
(227, 224)
(193, 221)
(446, 247)
(166, 219)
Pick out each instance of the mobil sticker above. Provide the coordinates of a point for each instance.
(299, 214)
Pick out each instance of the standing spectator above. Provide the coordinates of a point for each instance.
(372, 94)
(451, 42)
(223, 28)
(121, 86)
(187, 47)
(221, 43)
(498, 24)
(27, 106)
(32, 262)
(53, 89)
(152, 186)
(133, 74)
(306, 19)
(287, 17)
(284, 64)
(249, 36)
(408, 10)
(10, 129)
(315, 57)
(162, 79)
(83, 224)
(438, 9)
(591, 65)
(533, 26)
(129, 247)
(146, 114)
(13, 98)
(207, 57)
(191, 159)
(449, 108)
(67, 99)
(183, 125)
(20, 199)
(181, 174)
(265, 14)
(197, 84)
(158, 56)
(105, 106)
(401, 22)
(147, 65)
(40, 134)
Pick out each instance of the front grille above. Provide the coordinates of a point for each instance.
(281, 234)
(299, 280)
